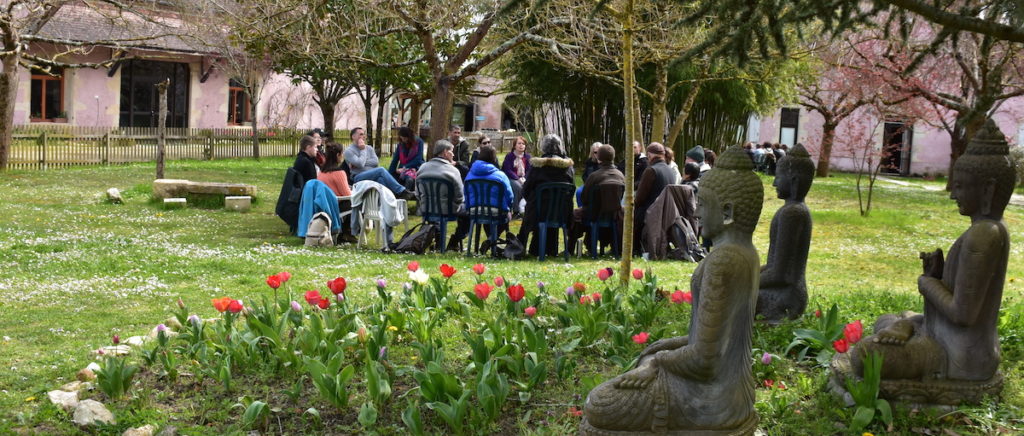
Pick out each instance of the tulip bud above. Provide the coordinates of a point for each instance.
(362, 334)
(194, 320)
(117, 339)
(161, 328)
(340, 297)
(530, 311)
(766, 359)
(296, 307)
(381, 283)
(181, 304)
(570, 290)
(382, 353)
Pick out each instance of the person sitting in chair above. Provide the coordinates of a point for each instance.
(605, 178)
(442, 165)
(552, 167)
(363, 163)
(408, 157)
(486, 168)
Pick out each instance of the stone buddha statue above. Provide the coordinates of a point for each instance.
(783, 291)
(700, 383)
(949, 354)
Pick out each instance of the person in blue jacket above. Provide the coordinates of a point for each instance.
(486, 168)
(408, 157)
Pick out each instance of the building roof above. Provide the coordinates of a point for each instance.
(108, 28)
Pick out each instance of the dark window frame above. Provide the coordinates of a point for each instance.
(57, 76)
(795, 125)
(235, 93)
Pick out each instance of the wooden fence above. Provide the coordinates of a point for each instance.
(42, 146)
(49, 146)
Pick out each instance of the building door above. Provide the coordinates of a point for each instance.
(140, 100)
(789, 125)
(896, 143)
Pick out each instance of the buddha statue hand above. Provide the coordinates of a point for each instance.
(933, 263)
(638, 378)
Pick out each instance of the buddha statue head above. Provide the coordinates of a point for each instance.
(730, 195)
(984, 177)
(794, 174)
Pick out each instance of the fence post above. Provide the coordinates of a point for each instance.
(106, 148)
(42, 154)
(208, 151)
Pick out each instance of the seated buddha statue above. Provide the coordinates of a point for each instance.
(700, 383)
(783, 291)
(954, 339)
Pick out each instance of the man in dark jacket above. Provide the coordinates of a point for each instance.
(640, 163)
(552, 166)
(606, 179)
(655, 178)
(305, 162)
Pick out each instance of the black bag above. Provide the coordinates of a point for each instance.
(508, 248)
(418, 239)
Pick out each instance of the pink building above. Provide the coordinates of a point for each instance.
(201, 94)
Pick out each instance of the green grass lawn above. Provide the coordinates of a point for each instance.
(76, 271)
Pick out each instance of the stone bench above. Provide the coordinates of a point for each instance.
(175, 203)
(239, 203)
(171, 188)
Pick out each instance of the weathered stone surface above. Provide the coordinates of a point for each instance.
(241, 203)
(114, 196)
(146, 430)
(783, 289)
(225, 189)
(93, 366)
(175, 203)
(76, 386)
(167, 188)
(137, 341)
(86, 374)
(116, 350)
(91, 412)
(949, 354)
(169, 333)
(169, 430)
(701, 383)
(63, 399)
(172, 323)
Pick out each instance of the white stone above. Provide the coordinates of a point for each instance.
(146, 430)
(76, 386)
(175, 203)
(114, 196)
(93, 366)
(137, 341)
(117, 350)
(169, 430)
(241, 203)
(169, 333)
(65, 400)
(91, 412)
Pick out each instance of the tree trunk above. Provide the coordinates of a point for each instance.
(681, 117)
(441, 108)
(255, 130)
(415, 109)
(382, 101)
(828, 135)
(367, 100)
(8, 95)
(161, 129)
(659, 109)
(327, 109)
(627, 86)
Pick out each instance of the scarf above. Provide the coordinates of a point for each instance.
(405, 154)
(519, 164)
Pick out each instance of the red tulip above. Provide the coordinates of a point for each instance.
(221, 304)
(447, 270)
(817, 313)
(482, 290)
(479, 269)
(284, 276)
(530, 311)
(680, 297)
(499, 281)
(313, 297)
(235, 306)
(853, 331)
(413, 266)
(769, 383)
(579, 287)
(324, 303)
(641, 338)
(604, 273)
(337, 286)
(781, 385)
(516, 292)
(585, 299)
(638, 274)
(116, 339)
(574, 411)
(596, 296)
(841, 345)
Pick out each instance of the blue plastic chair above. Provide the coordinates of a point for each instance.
(554, 201)
(605, 203)
(429, 192)
(487, 209)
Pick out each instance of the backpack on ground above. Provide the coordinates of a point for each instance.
(418, 239)
(318, 233)
(507, 248)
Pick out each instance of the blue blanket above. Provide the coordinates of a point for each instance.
(318, 197)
